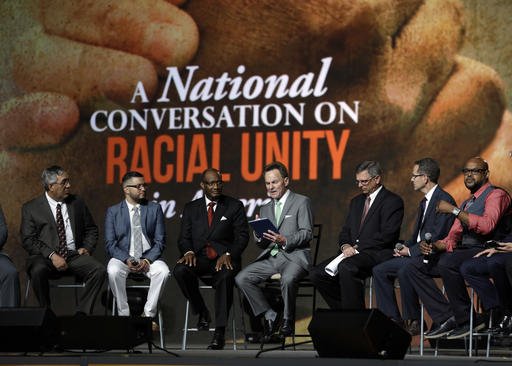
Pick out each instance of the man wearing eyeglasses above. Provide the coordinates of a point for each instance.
(214, 233)
(424, 178)
(59, 234)
(135, 241)
(480, 218)
(367, 238)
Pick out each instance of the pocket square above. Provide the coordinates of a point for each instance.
(223, 218)
(287, 216)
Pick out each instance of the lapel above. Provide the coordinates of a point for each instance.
(72, 216)
(374, 206)
(47, 211)
(125, 218)
(431, 207)
(143, 217)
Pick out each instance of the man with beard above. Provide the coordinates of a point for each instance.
(59, 234)
(135, 241)
(479, 218)
(214, 233)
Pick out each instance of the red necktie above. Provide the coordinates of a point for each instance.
(365, 209)
(210, 251)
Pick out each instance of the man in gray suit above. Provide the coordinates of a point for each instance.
(285, 252)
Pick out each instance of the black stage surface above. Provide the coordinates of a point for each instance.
(305, 355)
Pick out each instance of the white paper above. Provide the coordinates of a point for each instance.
(332, 268)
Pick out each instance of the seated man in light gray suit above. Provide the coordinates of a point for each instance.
(285, 252)
(135, 240)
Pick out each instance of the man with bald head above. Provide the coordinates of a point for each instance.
(483, 216)
(214, 233)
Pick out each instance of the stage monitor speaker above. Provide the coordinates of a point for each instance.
(357, 334)
(27, 329)
(103, 332)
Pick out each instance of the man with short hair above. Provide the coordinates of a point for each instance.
(479, 218)
(367, 238)
(59, 234)
(424, 178)
(135, 241)
(214, 233)
(285, 252)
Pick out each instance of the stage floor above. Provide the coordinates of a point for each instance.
(198, 355)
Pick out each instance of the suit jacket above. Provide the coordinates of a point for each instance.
(296, 224)
(39, 230)
(118, 230)
(380, 230)
(437, 224)
(229, 231)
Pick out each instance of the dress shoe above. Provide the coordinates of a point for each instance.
(414, 327)
(287, 328)
(438, 331)
(503, 326)
(218, 341)
(203, 323)
(464, 329)
(269, 328)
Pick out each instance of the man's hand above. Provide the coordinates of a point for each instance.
(425, 249)
(223, 261)
(188, 259)
(83, 251)
(59, 263)
(348, 250)
(275, 238)
(404, 252)
(487, 252)
(505, 247)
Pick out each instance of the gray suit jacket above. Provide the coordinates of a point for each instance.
(296, 224)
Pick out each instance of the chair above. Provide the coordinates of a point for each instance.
(206, 286)
(55, 283)
(305, 286)
(140, 281)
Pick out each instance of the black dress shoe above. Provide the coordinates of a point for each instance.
(414, 327)
(504, 326)
(287, 328)
(464, 329)
(218, 341)
(438, 331)
(203, 323)
(269, 328)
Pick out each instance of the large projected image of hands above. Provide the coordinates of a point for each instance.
(401, 59)
(62, 58)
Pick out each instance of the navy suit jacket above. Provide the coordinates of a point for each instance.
(381, 228)
(39, 230)
(437, 224)
(118, 230)
(229, 231)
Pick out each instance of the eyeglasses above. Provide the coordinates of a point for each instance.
(64, 182)
(140, 187)
(466, 171)
(365, 182)
(414, 176)
(214, 183)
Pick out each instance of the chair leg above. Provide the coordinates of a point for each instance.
(233, 324)
(471, 320)
(422, 328)
(185, 328)
(27, 291)
(161, 328)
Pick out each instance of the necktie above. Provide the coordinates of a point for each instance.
(278, 209)
(210, 251)
(365, 209)
(62, 250)
(421, 213)
(137, 234)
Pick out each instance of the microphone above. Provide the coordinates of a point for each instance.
(399, 247)
(428, 240)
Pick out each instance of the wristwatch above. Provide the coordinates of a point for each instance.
(456, 211)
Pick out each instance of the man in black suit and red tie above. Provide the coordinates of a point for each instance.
(367, 238)
(424, 177)
(59, 234)
(214, 233)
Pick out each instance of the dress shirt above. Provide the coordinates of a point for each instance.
(70, 240)
(496, 204)
(428, 198)
(145, 243)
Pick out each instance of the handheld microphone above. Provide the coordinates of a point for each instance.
(399, 247)
(428, 240)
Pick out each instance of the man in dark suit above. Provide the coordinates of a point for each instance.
(285, 252)
(59, 234)
(367, 238)
(425, 175)
(9, 280)
(135, 240)
(214, 233)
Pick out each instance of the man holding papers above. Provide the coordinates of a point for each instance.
(367, 238)
(285, 251)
